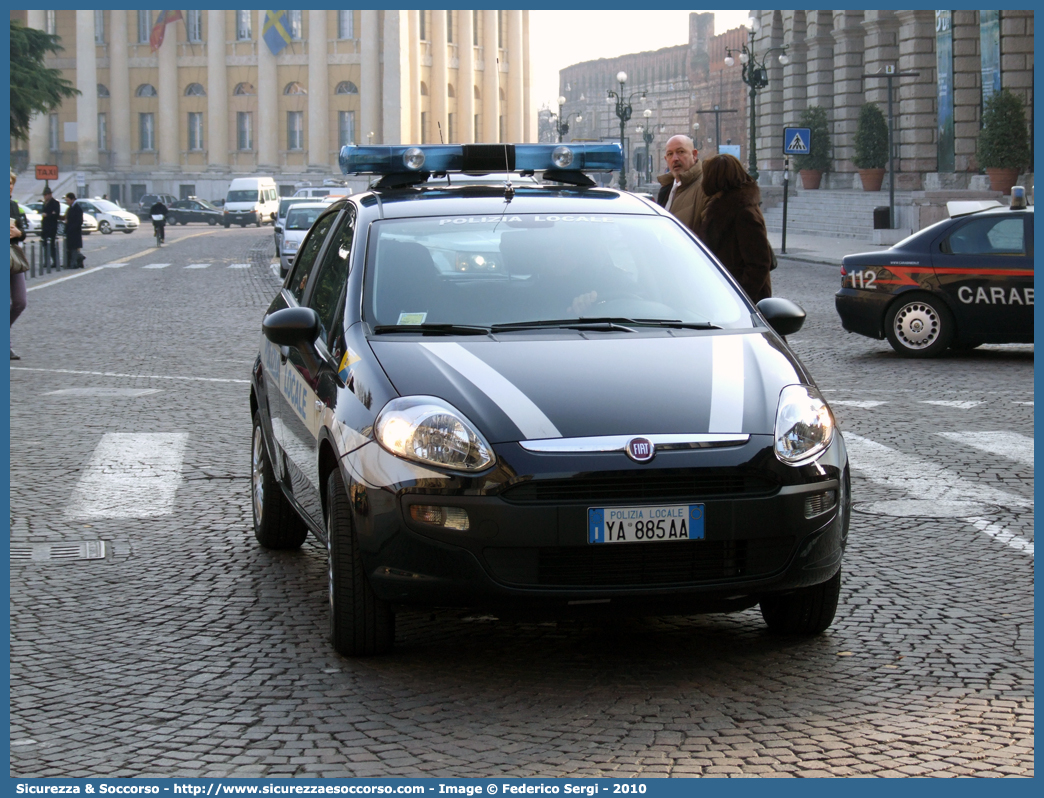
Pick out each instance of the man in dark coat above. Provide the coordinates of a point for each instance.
(73, 233)
(51, 213)
(681, 189)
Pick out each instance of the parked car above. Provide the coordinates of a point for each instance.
(963, 282)
(90, 224)
(556, 402)
(193, 209)
(299, 219)
(148, 200)
(111, 217)
(31, 219)
(284, 205)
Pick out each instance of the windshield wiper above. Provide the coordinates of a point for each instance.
(602, 323)
(681, 325)
(431, 329)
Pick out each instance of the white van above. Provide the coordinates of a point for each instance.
(251, 200)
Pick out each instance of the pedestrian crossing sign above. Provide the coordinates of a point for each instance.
(797, 141)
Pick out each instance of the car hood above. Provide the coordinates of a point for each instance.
(562, 387)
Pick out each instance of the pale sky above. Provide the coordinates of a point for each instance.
(558, 39)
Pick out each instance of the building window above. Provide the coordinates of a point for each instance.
(424, 89)
(52, 132)
(450, 91)
(194, 26)
(244, 90)
(138, 190)
(195, 130)
(424, 127)
(346, 87)
(451, 128)
(295, 24)
(103, 133)
(345, 24)
(423, 15)
(294, 88)
(99, 27)
(144, 26)
(475, 18)
(501, 127)
(145, 90)
(345, 128)
(501, 31)
(244, 130)
(186, 190)
(195, 90)
(243, 33)
(478, 94)
(478, 128)
(449, 27)
(295, 130)
(147, 132)
(103, 90)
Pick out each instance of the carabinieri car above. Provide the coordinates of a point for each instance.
(960, 283)
(541, 399)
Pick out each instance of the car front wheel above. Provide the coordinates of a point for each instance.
(804, 612)
(919, 326)
(212, 221)
(360, 623)
(104, 228)
(276, 525)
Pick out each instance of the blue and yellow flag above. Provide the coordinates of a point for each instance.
(276, 30)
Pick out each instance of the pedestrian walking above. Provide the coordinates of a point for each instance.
(681, 189)
(19, 265)
(73, 233)
(51, 213)
(733, 226)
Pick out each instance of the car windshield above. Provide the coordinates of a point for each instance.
(243, 196)
(284, 205)
(205, 204)
(301, 218)
(105, 206)
(544, 268)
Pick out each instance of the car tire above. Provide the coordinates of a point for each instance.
(919, 325)
(360, 623)
(260, 221)
(128, 232)
(104, 228)
(212, 221)
(808, 611)
(228, 225)
(276, 524)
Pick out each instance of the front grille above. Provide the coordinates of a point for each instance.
(636, 565)
(819, 503)
(639, 486)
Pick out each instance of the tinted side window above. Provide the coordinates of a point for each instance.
(333, 274)
(990, 236)
(307, 254)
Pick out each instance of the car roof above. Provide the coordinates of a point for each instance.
(310, 205)
(403, 203)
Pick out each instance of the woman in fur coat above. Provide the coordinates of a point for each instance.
(733, 226)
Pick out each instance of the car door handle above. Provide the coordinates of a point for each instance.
(318, 404)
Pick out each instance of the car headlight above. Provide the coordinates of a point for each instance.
(429, 430)
(291, 246)
(804, 424)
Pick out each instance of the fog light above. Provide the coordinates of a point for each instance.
(448, 517)
(819, 503)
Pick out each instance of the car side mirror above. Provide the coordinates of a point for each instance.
(782, 315)
(296, 327)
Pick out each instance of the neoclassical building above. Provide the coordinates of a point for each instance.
(960, 57)
(213, 101)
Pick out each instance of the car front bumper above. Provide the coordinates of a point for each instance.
(527, 546)
(240, 217)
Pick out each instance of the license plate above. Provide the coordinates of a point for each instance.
(645, 524)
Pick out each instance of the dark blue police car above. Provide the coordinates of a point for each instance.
(537, 397)
(960, 283)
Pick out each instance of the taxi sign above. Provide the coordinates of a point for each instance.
(797, 141)
(46, 171)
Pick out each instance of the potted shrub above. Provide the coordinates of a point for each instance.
(1003, 146)
(812, 166)
(871, 147)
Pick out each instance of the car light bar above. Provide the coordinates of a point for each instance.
(482, 158)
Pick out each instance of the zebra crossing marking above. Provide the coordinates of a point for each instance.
(1004, 444)
(239, 265)
(198, 266)
(959, 404)
(155, 266)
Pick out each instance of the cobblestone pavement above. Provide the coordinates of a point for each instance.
(187, 650)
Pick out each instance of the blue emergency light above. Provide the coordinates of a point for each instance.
(480, 158)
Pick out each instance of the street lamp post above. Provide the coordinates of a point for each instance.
(647, 135)
(560, 125)
(755, 75)
(623, 113)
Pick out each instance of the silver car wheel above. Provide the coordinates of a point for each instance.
(917, 325)
(257, 481)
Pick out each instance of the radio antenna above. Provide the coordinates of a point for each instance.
(509, 190)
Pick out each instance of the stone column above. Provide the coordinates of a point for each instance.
(370, 71)
(820, 59)
(87, 101)
(413, 79)
(515, 75)
(1017, 55)
(119, 91)
(439, 77)
(770, 99)
(267, 122)
(528, 117)
(848, 90)
(168, 121)
(318, 94)
(217, 93)
(39, 144)
(795, 74)
(918, 106)
(465, 78)
(881, 44)
(490, 79)
(967, 93)
(395, 108)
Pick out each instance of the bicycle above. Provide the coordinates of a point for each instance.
(157, 227)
